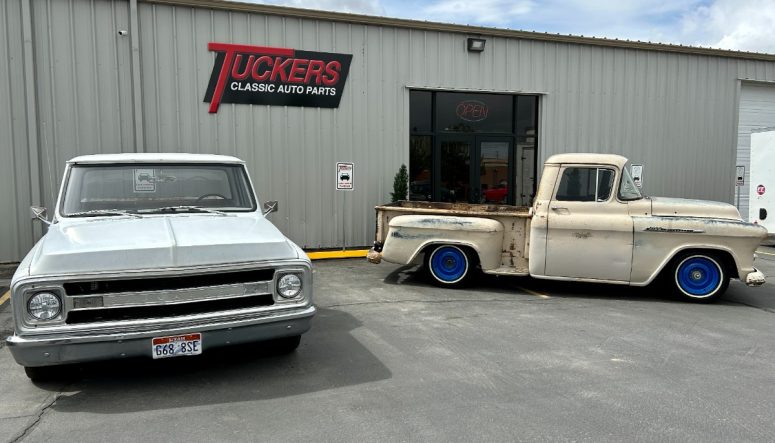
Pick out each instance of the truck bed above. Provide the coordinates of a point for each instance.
(515, 221)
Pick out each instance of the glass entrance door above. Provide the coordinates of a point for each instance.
(475, 169)
(454, 184)
(495, 173)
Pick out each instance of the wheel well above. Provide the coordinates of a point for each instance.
(727, 261)
(471, 252)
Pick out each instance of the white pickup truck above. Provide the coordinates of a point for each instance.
(158, 256)
(589, 222)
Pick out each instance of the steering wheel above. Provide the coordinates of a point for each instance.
(212, 194)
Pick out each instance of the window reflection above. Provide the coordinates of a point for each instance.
(420, 168)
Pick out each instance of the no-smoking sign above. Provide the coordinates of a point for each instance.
(760, 189)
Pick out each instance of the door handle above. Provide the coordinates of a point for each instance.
(558, 208)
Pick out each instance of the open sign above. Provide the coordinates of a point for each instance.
(472, 110)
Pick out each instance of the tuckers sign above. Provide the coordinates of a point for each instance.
(262, 75)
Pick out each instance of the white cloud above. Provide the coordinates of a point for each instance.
(492, 12)
(747, 25)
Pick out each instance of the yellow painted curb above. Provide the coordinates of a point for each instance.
(355, 253)
(4, 298)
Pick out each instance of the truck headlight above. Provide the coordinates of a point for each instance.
(289, 285)
(44, 306)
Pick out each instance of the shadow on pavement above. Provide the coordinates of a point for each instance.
(417, 276)
(329, 357)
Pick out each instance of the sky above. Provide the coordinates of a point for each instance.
(744, 25)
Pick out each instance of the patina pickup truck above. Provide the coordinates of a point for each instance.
(156, 255)
(588, 222)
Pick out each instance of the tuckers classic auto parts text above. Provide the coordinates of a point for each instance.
(264, 75)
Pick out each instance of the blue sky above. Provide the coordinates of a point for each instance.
(747, 25)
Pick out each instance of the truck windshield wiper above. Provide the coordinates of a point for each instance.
(184, 208)
(104, 212)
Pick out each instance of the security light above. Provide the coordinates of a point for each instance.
(476, 44)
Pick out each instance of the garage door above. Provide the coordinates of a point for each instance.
(757, 111)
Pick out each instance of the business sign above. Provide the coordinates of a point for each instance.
(472, 110)
(344, 176)
(262, 75)
(761, 189)
(740, 181)
(637, 175)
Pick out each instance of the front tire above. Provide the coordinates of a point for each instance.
(449, 265)
(42, 373)
(285, 345)
(699, 277)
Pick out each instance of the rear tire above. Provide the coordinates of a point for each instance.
(699, 277)
(449, 265)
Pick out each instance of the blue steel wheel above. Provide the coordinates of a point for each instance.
(448, 264)
(699, 277)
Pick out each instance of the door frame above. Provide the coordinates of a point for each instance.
(475, 153)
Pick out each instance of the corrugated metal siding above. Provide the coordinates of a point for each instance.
(82, 83)
(757, 111)
(674, 113)
(15, 190)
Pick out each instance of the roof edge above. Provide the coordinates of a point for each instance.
(463, 29)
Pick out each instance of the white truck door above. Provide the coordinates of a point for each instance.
(761, 206)
(589, 232)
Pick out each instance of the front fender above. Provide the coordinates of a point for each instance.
(659, 239)
(408, 235)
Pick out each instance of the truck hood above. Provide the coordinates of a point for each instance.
(121, 244)
(684, 207)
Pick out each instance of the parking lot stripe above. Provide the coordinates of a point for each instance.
(4, 298)
(531, 292)
(765, 253)
(354, 253)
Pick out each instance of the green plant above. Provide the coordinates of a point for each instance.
(400, 185)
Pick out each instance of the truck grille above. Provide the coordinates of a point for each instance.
(166, 283)
(164, 311)
(167, 297)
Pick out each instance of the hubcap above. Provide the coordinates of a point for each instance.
(698, 276)
(449, 264)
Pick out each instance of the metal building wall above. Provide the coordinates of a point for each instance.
(757, 111)
(675, 113)
(15, 186)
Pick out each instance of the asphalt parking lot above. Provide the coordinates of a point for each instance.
(392, 358)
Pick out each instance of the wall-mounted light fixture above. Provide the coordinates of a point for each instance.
(476, 44)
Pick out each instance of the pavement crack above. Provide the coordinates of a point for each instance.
(50, 401)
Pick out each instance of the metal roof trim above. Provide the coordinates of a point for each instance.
(362, 19)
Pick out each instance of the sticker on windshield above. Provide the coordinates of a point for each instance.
(145, 180)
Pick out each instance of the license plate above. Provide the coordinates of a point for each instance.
(176, 346)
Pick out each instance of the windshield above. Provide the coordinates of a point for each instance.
(627, 188)
(107, 190)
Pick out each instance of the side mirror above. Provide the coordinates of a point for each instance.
(270, 206)
(39, 213)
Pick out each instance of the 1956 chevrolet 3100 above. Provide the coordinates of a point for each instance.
(156, 255)
(588, 222)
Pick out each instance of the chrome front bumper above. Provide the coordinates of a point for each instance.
(755, 278)
(57, 349)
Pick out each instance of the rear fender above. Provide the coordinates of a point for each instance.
(409, 235)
